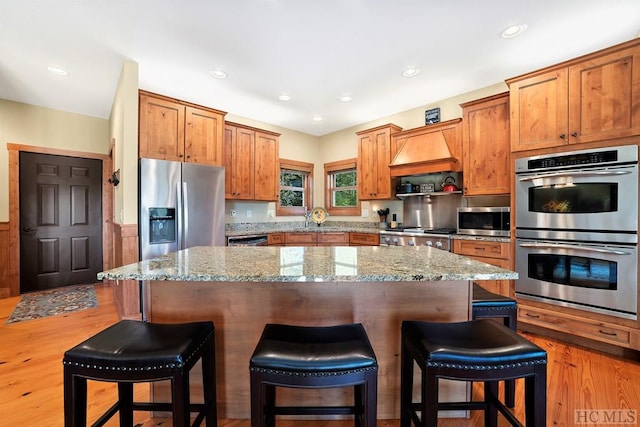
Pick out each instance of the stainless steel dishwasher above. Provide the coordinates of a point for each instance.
(247, 240)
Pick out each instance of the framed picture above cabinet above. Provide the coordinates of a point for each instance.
(432, 116)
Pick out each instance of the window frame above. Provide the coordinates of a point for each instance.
(305, 167)
(331, 168)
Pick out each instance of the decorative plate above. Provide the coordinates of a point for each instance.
(318, 215)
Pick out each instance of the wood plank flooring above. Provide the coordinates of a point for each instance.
(31, 375)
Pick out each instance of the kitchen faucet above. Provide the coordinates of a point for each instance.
(307, 217)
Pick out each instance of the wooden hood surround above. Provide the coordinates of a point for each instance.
(428, 149)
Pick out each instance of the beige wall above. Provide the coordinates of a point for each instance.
(44, 127)
(25, 124)
(342, 145)
(293, 146)
(123, 131)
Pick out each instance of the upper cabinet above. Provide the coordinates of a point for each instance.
(251, 163)
(170, 129)
(374, 156)
(239, 151)
(592, 98)
(267, 168)
(485, 146)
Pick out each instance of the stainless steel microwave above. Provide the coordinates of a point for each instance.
(484, 221)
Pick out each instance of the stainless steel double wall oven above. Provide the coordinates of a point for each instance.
(577, 229)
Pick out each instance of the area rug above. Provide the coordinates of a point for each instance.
(54, 301)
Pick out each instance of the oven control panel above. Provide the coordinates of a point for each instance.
(597, 157)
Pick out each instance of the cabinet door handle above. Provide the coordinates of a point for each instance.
(533, 316)
(574, 134)
(563, 136)
(611, 334)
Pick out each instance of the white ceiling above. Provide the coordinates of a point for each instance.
(314, 51)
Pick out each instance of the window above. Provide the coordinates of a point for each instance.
(296, 189)
(341, 195)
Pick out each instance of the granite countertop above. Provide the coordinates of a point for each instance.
(251, 229)
(298, 227)
(309, 264)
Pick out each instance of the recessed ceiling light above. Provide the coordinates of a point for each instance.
(58, 71)
(411, 72)
(345, 98)
(317, 119)
(218, 74)
(284, 97)
(513, 31)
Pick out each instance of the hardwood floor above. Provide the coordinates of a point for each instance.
(31, 376)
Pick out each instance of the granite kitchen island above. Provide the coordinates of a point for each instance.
(243, 288)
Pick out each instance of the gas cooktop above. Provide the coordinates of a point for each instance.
(422, 230)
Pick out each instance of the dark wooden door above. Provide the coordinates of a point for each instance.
(60, 221)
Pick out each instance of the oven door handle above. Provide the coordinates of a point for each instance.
(575, 173)
(572, 247)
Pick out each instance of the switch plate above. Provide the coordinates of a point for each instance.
(248, 213)
(233, 213)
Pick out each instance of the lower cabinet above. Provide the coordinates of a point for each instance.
(275, 239)
(364, 239)
(312, 238)
(333, 239)
(494, 253)
(579, 325)
(301, 239)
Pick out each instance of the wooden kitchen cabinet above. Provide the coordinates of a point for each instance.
(275, 239)
(374, 156)
(364, 239)
(566, 321)
(485, 146)
(589, 99)
(494, 253)
(301, 238)
(239, 152)
(171, 129)
(251, 163)
(312, 238)
(267, 168)
(333, 239)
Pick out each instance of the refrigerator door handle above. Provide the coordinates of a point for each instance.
(179, 209)
(185, 210)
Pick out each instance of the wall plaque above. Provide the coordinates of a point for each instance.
(432, 116)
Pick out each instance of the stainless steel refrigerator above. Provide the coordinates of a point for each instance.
(181, 205)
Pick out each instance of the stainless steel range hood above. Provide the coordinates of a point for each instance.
(428, 149)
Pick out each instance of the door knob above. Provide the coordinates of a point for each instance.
(28, 229)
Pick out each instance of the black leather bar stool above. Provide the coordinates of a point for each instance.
(313, 357)
(477, 350)
(487, 304)
(131, 352)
